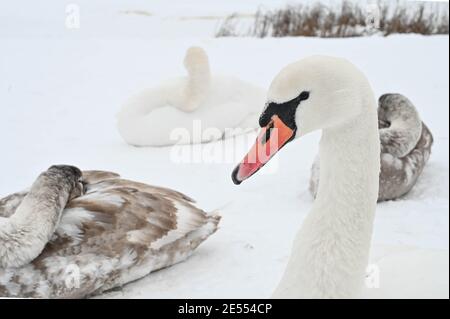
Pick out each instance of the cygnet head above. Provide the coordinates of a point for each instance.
(314, 93)
(196, 61)
(66, 176)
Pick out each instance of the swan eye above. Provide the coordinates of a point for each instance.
(304, 96)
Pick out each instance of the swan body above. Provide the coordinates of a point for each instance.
(77, 234)
(198, 108)
(405, 148)
(330, 253)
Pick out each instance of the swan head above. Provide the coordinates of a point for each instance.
(314, 93)
(69, 177)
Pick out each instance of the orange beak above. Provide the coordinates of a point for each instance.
(271, 139)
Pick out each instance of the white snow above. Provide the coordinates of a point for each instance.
(60, 90)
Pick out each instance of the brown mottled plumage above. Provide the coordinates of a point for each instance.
(116, 232)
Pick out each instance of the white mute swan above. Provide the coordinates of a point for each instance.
(405, 147)
(331, 251)
(200, 107)
(76, 234)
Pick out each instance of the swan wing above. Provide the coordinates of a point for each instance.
(133, 213)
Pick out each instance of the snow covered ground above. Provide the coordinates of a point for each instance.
(61, 88)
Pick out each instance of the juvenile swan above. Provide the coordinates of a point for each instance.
(200, 107)
(331, 250)
(76, 234)
(405, 148)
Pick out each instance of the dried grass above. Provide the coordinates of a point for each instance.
(349, 20)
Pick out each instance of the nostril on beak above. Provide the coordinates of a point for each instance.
(268, 133)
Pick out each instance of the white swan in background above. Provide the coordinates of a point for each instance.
(331, 251)
(200, 107)
(76, 234)
(405, 148)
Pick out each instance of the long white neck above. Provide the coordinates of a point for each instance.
(330, 252)
(25, 233)
(198, 81)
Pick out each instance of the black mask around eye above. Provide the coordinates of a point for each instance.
(285, 111)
